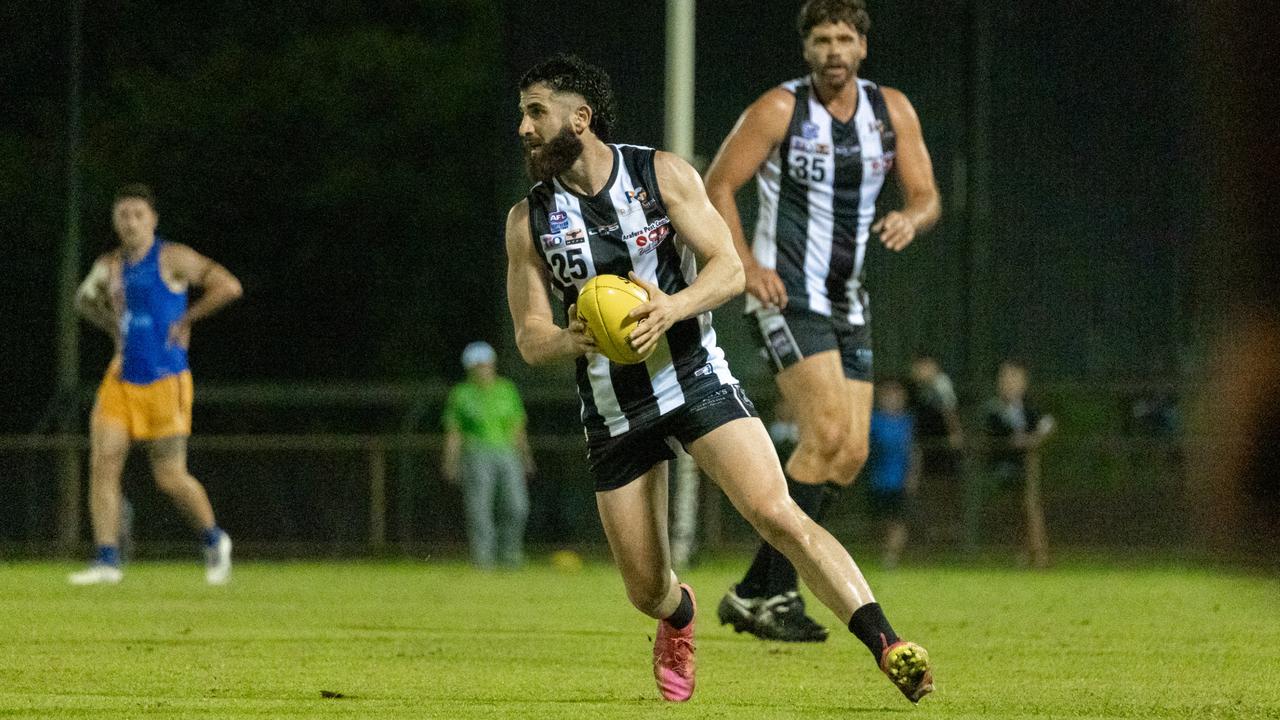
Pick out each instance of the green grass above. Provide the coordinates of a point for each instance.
(415, 640)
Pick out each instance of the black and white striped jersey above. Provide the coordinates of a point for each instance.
(818, 192)
(625, 228)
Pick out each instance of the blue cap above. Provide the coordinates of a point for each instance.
(478, 353)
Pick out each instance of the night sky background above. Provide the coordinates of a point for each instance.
(352, 163)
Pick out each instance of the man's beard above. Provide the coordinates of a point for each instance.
(851, 72)
(554, 156)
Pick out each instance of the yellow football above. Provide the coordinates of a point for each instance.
(603, 304)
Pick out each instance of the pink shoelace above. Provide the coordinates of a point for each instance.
(678, 655)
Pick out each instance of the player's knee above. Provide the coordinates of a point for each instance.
(853, 455)
(825, 437)
(779, 523)
(108, 457)
(171, 480)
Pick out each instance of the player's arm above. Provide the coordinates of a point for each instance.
(217, 285)
(762, 126)
(538, 337)
(93, 298)
(914, 170)
(451, 456)
(701, 228)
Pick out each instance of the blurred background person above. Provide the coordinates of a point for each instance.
(486, 452)
(937, 419)
(1015, 429)
(892, 467)
(137, 294)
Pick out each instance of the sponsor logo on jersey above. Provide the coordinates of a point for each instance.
(640, 195)
(559, 220)
(809, 130)
(813, 148)
(603, 229)
(877, 126)
(704, 370)
(882, 165)
(648, 238)
(552, 241)
(575, 236)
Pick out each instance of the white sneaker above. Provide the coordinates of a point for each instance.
(217, 561)
(96, 574)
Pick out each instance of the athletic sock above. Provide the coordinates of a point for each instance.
(683, 615)
(830, 493)
(210, 537)
(108, 555)
(756, 581)
(871, 627)
(781, 576)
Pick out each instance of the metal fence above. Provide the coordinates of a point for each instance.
(316, 494)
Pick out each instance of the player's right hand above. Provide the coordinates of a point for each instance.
(579, 333)
(765, 285)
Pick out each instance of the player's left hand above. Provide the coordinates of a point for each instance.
(896, 230)
(180, 333)
(655, 317)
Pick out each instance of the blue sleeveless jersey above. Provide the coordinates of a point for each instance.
(150, 308)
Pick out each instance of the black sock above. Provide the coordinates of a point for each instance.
(782, 574)
(683, 615)
(756, 581)
(871, 627)
(830, 493)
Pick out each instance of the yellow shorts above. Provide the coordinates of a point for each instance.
(156, 410)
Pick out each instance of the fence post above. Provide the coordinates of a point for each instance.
(712, 522)
(684, 520)
(377, 494)
(1037, 535)
(69, 497)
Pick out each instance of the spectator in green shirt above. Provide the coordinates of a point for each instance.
(486, 451)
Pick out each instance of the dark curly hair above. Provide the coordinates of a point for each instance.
(136, 190)
(819, 12)
(570, 73)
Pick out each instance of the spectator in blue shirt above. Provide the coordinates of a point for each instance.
(891, 468)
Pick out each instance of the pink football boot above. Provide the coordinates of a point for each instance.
(673, 657)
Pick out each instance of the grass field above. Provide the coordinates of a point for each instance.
(415, 640)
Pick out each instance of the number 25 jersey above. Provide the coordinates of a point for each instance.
(625, 228)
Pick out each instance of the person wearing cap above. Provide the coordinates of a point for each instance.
(486, 453)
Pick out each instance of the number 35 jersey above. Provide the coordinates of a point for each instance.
(818, 193)
(625, 228)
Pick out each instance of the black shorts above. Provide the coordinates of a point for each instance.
(788, 337)
(888, 504)
(617, 461)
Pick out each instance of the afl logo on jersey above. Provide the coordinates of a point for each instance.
(559, 220)
(809, 130)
